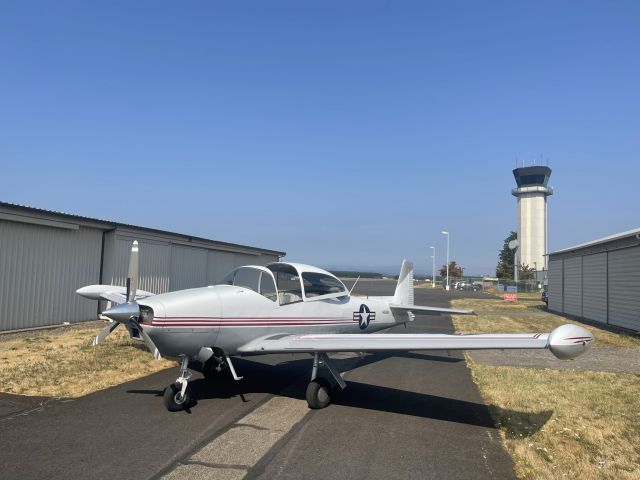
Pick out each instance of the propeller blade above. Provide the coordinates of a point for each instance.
(132, 278)
(150, 345)
(104, 332)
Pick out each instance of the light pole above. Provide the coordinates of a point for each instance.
(447, 234)
(433, 275)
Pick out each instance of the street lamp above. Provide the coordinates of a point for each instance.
(433, 275)
(447, 234)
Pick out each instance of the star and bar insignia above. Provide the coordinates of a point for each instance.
(364, 316)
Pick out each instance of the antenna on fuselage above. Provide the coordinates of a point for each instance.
(354, 285)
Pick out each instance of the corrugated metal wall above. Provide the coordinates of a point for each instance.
(555, 283)
(594, 287)
(572, 286)
(40, 270)
(45, 257)
(603, 287)
(155, 267)
(218, 265)
(188, 267)
(624, 288)
(165, 266)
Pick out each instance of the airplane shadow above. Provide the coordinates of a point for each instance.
(289, 378)
(385, 399)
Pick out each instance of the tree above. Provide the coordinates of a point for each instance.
(506, 258)
(526, 272)
(455, 270)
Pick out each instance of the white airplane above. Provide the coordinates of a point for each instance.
(294, 308)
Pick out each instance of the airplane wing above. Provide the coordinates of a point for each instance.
(567, 341)
(114, 297)
(418, 309)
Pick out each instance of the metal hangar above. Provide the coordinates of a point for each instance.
(598, 280)
(45, 256)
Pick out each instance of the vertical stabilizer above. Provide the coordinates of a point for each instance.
(404, 289)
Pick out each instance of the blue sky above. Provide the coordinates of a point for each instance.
(345, 133)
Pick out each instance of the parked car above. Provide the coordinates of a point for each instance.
(545, 296)
(472, 287)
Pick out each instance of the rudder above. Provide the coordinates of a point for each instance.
(404, 288)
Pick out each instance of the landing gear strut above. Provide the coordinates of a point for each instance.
(214, 362)
(319, 390)
(177, 396)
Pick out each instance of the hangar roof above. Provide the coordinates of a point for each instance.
(610, 238)
(20, 213)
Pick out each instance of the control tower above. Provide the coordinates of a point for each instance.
(532, 193)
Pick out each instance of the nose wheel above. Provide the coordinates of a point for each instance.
(174, 399)
(177, 396)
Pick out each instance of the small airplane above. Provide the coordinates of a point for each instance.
(289, 308)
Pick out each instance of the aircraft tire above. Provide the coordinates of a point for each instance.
(318, 394)
(170, 398)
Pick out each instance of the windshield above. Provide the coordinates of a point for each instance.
(254, 279)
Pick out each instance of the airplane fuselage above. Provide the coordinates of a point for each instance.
(227, 317)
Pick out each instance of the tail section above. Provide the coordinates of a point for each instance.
(404, 289)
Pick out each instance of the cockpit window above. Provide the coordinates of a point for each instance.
(254, 279)
(287, 282)
(316, 284)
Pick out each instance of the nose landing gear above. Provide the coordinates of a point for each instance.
(177, 396)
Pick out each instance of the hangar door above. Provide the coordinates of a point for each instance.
(624, 288)
(188, 267)
(41, 267)
(219, 263)
(594, 287)
(555, 285)
(572, 286)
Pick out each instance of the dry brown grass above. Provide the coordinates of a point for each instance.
(495, 315)
(557, 424)
(62, 362)
(593, 431)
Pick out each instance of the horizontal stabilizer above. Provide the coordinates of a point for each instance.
(418, 310)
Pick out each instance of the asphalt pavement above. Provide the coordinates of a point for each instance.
(413, 415)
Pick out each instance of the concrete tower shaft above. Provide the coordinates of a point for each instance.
(532, 193)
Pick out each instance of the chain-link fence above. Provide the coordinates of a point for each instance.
(526, 286)
(487, 284)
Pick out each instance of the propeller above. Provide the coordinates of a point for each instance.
(129, 312)
(132, 277)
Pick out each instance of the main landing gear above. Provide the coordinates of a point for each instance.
(319, 390)
(177, 396)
